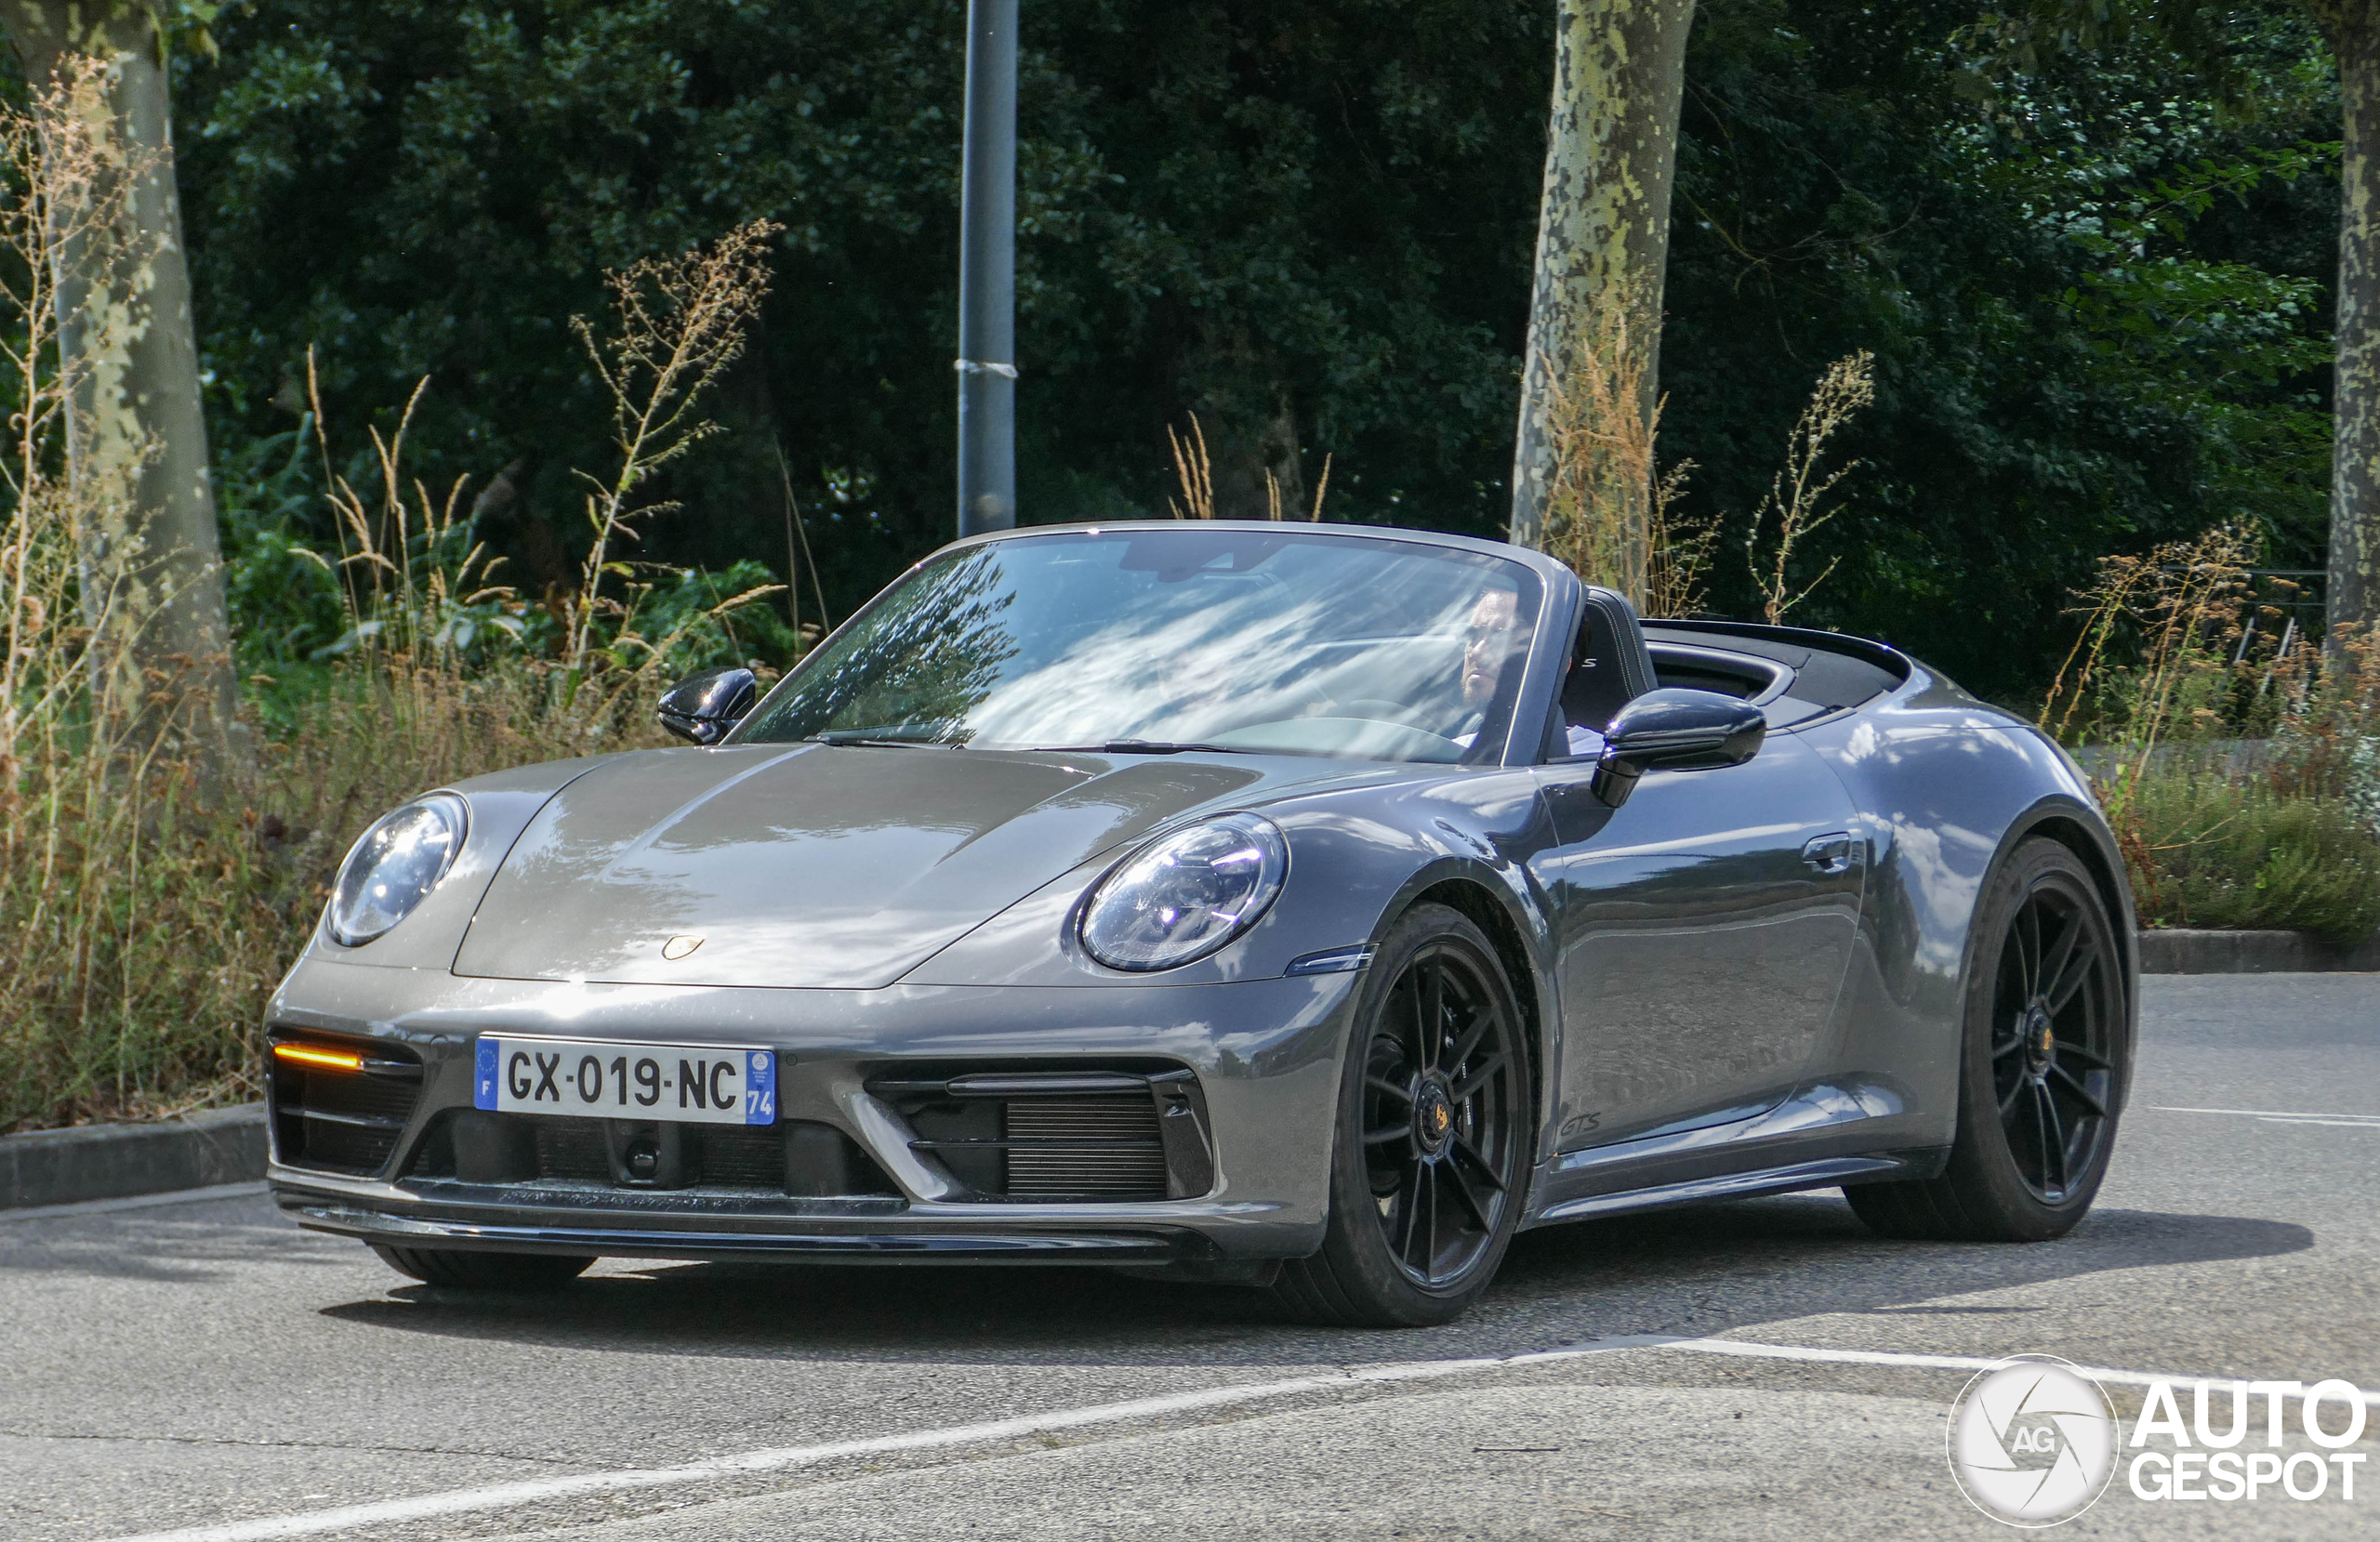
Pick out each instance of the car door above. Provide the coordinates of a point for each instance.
(1704, 929)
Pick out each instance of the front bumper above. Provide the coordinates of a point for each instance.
(897, 1233)
(1265, 1054)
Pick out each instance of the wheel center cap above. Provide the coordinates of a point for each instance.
(2041, 1041)
(1433, 1118)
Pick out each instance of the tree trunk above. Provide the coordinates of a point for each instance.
(2353, 587)
(124, 323)
(1247, 452)
(1248, 419)
(1603, 227)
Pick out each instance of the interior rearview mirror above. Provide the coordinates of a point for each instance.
(703, 706)
(1675, 731)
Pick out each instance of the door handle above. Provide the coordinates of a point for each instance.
(1831, 853)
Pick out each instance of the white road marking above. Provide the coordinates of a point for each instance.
(137, 1202)
(534, 1491)
(1939, 1362)
(507, 1496)
(2275, 1117)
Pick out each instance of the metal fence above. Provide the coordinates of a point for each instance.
(2287, 599)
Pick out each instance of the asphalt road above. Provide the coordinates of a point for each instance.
(206, 1364)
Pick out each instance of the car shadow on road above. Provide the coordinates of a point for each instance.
(1715, 1269)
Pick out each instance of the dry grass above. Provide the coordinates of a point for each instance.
(1798, 494)
(149, 913)
(1194, 472)
(2239, 764)
(1678, 567)
(99, 785)
(1611, 509)
(1611, 513)
(1598, 517)
(679, 323)
(1194, 475)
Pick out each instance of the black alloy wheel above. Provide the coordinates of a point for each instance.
(1435, 1134)
(2045, 1063)
(1441, 1085)
(2053, 1044)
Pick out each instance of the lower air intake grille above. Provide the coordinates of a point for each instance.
(1046, 1136)
(1084, 1148)
(739, 1156)
(339, 1105)
(570, 1148)
(793, 1157)
(721, 1157)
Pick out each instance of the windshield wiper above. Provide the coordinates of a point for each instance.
(879, 741)
(1136, 747)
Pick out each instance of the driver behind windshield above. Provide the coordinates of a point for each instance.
(1493, 643)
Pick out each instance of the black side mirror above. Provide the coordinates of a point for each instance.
(1675, 731)
(704, 707)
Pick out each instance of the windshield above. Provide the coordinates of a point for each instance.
(1164, 638)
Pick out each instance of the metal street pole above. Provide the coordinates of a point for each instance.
(986, 362)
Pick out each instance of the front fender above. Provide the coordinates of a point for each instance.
(501, 805)
(1357, 857)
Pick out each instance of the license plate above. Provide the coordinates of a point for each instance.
(587, 1080)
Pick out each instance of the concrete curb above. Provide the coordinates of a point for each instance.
(69, 1166)
(2184, 951)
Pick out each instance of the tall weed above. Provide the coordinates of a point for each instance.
(2237, 758)
(149, 901)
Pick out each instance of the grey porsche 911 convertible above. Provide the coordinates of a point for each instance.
(1311, 907)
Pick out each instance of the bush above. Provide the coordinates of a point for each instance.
(2211, 851)
(152, 921)
(155, 880)
(2234, 755)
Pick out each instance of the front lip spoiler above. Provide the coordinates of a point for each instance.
(854, 1246)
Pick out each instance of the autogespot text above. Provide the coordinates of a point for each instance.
(2216, 1454)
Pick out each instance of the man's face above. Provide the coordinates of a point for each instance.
(1488, 644)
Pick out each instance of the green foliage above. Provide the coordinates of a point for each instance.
(2096, 287)
(2235, 756)
(1332, 201)
(2096, 301)
(690, 609)
(2233, 852)
(285, 604)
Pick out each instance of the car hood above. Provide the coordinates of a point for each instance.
(813, 865)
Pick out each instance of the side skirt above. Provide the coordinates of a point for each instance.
(1768, 1180)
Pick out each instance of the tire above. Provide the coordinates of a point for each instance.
(475, 1271)
(1435, 1130)
(2045, 1058)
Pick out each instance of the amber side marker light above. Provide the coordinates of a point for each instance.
(327, 1059)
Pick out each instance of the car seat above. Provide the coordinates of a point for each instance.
(1609, 667)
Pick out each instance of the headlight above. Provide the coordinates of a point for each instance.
(395, 866)
(1187, 895)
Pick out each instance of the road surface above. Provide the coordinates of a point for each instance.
(207, 1365)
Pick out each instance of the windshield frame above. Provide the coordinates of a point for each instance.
(1546, 653)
